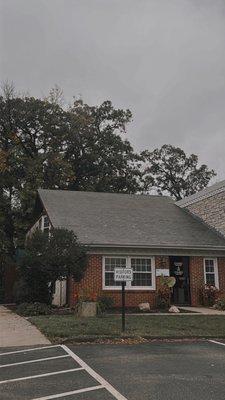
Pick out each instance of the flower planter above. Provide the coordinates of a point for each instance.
(87, 309)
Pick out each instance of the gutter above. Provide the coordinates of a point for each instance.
(206, 247)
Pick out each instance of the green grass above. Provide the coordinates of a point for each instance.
(69, 327)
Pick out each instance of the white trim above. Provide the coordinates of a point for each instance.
(95, 375)
(215, 263)
(128, 264)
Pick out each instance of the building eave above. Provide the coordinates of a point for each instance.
(170, 246)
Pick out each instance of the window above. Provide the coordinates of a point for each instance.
(211, 272)
(46, 224)
(143, 272)
(110, 264)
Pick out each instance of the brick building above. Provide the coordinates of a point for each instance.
(150, 234)
(209, 205)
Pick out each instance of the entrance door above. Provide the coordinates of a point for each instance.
(179, 268)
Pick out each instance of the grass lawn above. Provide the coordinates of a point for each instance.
(69, 327)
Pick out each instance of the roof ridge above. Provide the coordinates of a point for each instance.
(209, 191)
(107, 193)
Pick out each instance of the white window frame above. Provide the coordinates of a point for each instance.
(215, 263)
(128, 265)
(42, 219)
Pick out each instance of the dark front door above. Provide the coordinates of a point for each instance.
(179, 268)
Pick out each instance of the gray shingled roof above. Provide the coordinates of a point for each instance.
(207, 192)
(108, 219)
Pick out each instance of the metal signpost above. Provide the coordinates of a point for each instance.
(123, 275)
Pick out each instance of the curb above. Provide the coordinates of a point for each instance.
(98, 340)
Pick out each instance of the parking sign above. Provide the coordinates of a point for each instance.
(123, 274)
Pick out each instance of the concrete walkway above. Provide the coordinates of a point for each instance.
(203, 310)
(17, 331)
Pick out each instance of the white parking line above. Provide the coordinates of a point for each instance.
(34, 361)
(41, 375)
(95, 375)
(25, 350)
(57, 396)
(215, 341)
(103, 384)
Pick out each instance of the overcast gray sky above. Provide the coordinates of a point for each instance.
(163, 59)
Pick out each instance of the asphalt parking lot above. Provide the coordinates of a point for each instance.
(153, 371)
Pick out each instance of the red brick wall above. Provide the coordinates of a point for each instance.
(196, 270)
(196, 274)
(93, 282)
(221, 273)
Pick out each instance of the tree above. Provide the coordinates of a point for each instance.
(171, 171)
(31, 147)
(45, 145)
(100, 158)
(50, 258)
(5, 253)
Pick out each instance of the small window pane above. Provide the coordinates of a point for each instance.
(109, 279)
(110, 264)
(142, 275)
(210, 279)
(142, 279)
(209, 263)
(141, 264)
(46, 222)
(209, 268)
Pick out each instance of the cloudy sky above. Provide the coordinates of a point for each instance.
(163, 59)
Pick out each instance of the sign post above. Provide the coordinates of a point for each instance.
(123, 275)
(123, 306)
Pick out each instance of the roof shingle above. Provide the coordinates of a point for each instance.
(127, 220)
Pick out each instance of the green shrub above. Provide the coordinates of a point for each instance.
(28, 309)
(220, 304)
(208, 295)
(105, 303)
(20, 291)
(48, 258)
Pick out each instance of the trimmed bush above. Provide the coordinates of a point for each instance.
(220, 305)
(29, 309)
(105, 303)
